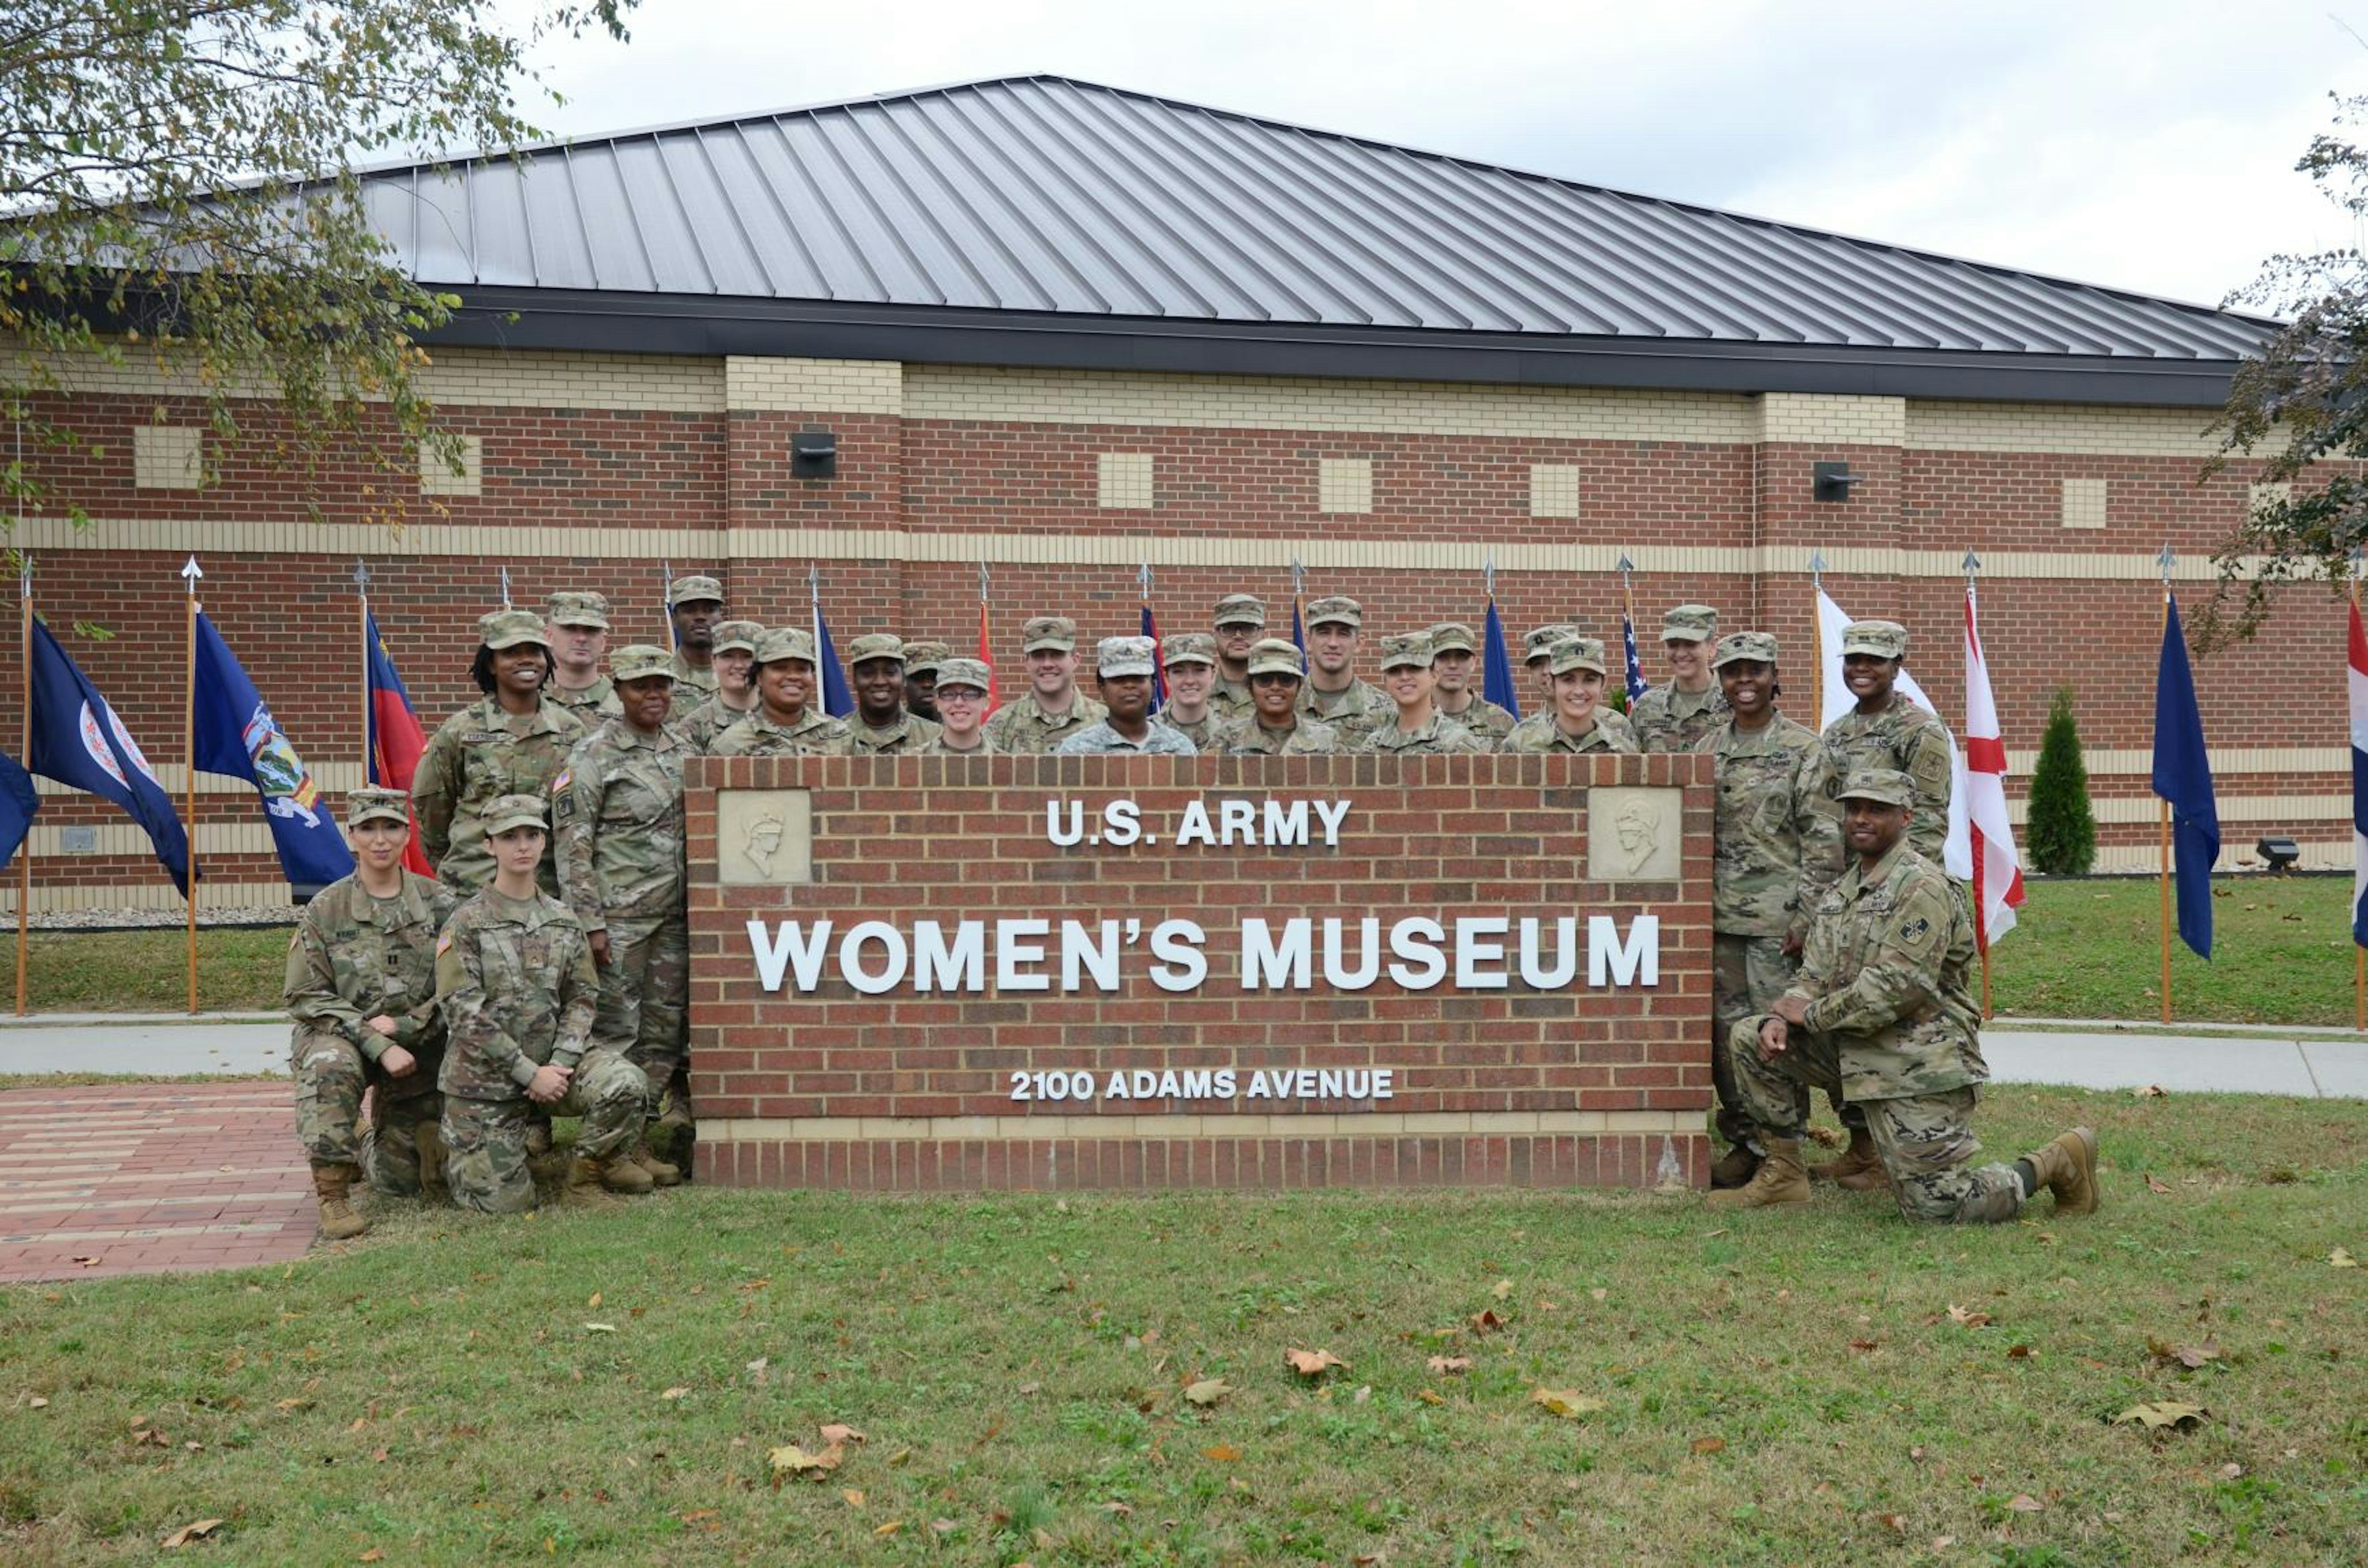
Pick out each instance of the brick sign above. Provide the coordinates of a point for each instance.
(949, 973)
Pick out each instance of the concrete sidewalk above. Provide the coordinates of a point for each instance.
(2309, 1064)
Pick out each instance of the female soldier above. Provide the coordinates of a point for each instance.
(1578, 720)
(512, 742)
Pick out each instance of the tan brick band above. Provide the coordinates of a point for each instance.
(1253, 1124)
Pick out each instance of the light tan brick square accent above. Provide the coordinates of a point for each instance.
(437, 476)
(166, 456)
(2084, 503)
(1821, 418)
(1554, 490)
(1344, 484)
(820, 386)
(1124, 482)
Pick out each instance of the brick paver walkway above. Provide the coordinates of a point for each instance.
(145, 1178)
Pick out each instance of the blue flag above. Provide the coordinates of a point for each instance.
(1634, 671)
(1298, 634)
(2183, 776)
(1497, 683)
(79, 741)
(836, 700)
(235, 735)
(1158, 664)
(18, 802)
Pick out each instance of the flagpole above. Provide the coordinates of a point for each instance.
(361, 634)
(1973, 564)
(2162, 852)
(1817, 641)
(189, 575)
(23, 749)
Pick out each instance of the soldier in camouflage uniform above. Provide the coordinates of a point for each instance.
(695, 606)
(1190, 663)
(577, 626)
(1676, 716)
(361, 992)
(1579, 720)
(1276, 725)
(1455, 660)
(515, 979)
(1052, 709)
(1240, 621)
(618, 809)
(1537, 657)
(1332, 691)
(784, 724)
(512, 742)
(922, 662)
(1881, 1009)
(1123, 672)
(736, 686)
(1416, 727)
(1776, 848)
(881, 726)
(961, 710)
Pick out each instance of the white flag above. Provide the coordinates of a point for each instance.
(1958, 852)
(1998, 870)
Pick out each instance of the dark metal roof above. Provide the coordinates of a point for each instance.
(1034, 205)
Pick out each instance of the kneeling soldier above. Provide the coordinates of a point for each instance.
(515, 979)
(362, 989)
(1881, 1012)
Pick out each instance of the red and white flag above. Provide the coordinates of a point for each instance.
(1997, 870)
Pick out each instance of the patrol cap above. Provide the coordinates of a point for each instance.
(1274, 656)
(1057, 633)
(1539, 640)
(1335, 607)
(508, 628)
(875, 645)
(1887, 785)
(971, 673)
(514, 811)
(579, 610)
(1734, 646)
(1189, 648)
(1689, 624)
(370, 803)
(1117, 656)
(1883, 639)
(640, 661)
(1453, 637)
(691, 590)
(922, 657)
(1412, 648)
(742, 634)
(1579, 654)
(785, 642)
(1239, 609)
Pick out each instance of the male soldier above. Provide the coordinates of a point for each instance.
(1052, 709)
(1276, 725)
(1418, 727)
(1191, 667)
(577, 625)
(1239, 622)
(881, 727)
(514, 980)
(1776, 848)
(1881, 1012)
(922, 662)
(782, 723)
(1537, 656)
(961, 710)
(1123, 670)
(1579, 720)
(1332, 691)
(1455, 659)
(736, 686)
(695, 604)
(361, 991)
(1676, 716)
(621, 867)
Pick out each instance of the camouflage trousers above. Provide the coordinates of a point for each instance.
(330, 1076)
(1747, 974)
(1926, 1142)
(644, 995)
(484, 1140)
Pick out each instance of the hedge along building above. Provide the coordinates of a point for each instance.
(1065, 330)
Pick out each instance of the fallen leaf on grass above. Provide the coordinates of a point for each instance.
(2017, 1352)
(1502, 1288)
(2339, 1258)
(890, 1528)
(1866, 1345)
(1487, 1321)
(1710, 1444)
(1598, 1294)
(1311, 1363)
(1892, 1522)
(839, 1432)
(291, 1404)
(792, 1459)
(1207, 1392)
(677, 1392)
(189, 1532)
(1430, 1396)
(2156, 1183)
(1942, 1542)
(2231, 1471)
(1568, 1404)
(854, 1498)
(1970, 1319)
(2024, 1503)
(2194, 1357)
(2150, 1092)
(36, 1402)
(1450, 1364)
(375, 1554)
(594, 1304)
(1223, 1453)
(2162, 1414)
(599, 1328)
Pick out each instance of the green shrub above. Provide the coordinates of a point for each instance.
(2060, 834)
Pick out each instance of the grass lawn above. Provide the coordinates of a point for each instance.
(1813, 1385)
(240, 969)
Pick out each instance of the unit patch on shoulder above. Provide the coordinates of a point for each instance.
(1915, 930)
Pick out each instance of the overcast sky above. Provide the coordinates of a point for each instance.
(2146, 146)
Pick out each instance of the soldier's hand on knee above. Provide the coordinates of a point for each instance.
(1793, 1008)
(384, 1024)
(398, 1063)
(1775, 1035)
(550, 1084)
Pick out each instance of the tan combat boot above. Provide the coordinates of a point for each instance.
(589, 1175)
(1736, 1166)
(2067, 1167)
(331, 1183)
(1780, 1180)
(428, 1137)
(660, 1171)
(1860, 1168)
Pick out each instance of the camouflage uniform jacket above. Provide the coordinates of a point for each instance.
(1890, 951)
(1486, 720)
(617, 812)
(516, 981)
(937, 746)
(1246, 737)
(475, 758)
(704, 725)
(1100, 739)
(908, 734)
(1201, 732)
(692, 685)
(815, 735)
(1360, 705)
(1020, 725)
(1441, 736)
(1665, 719)
(355, 957)
(1539, 732)
(1229, 699)
(1904, 737)
(590, 703)
(1777, 843)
